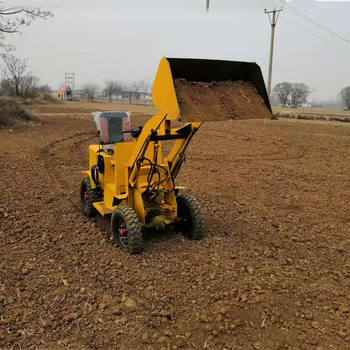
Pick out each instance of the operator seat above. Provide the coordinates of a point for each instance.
(110, 126)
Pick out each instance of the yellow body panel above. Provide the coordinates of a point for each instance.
(163, 92)
(122, 154)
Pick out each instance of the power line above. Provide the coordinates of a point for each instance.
(317, 36)
(305, 30)
(310, 20)
(266, 3)
(300, 14)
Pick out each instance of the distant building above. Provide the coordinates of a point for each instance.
(137, 95)
(146, 96)
(64, 93)
(306, 105)
(78, 95)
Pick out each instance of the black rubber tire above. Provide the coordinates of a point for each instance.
(191, 211)
(87, 206)
(126, 216)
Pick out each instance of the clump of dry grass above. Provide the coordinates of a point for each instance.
(41, 100)
(343, 120)
(302, 116)
(50, 99)
(305, 117)
(12, 114)
(287, 115)
(335, 119)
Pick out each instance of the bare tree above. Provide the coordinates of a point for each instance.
(44, 89)
(113, 87)
(3, 81)
(345, 95)
(148, 83)
(15, 70)
(12, 18)
(89, 91)
(282, 91)
(110, 89)
(145, 86)
(29, 86)
(299, 94)
(119, 87)
(136, 86)
(140, 86)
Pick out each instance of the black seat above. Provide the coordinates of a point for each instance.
(110, 126)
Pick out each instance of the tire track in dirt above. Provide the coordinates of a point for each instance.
(53, 166)
(46, 148)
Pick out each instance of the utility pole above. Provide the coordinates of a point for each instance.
(208, 5)
(273, 22)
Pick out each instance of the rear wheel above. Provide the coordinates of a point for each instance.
(88, 196)
(126, 230)
(193, 220)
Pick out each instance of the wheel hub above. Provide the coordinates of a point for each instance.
(122, 232)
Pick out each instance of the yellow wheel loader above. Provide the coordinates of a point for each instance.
(130, 179)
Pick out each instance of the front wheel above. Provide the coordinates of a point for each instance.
(126, 230)
(88, 196)
(192, 216)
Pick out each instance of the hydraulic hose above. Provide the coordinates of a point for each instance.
(94, 175)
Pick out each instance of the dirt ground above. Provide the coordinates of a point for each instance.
(273, 273)
(219, 101)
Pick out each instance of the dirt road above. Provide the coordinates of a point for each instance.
(273, 272)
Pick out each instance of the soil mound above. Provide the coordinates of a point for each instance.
(219, 101)
(12, 114)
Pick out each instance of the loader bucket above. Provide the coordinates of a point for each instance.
(202, 90)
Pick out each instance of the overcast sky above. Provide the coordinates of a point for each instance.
(125, 39)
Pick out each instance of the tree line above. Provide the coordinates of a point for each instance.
(291, 94)
(294, 94)
(116, 88)
(16, 80)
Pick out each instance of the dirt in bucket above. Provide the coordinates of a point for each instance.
(219, 101)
